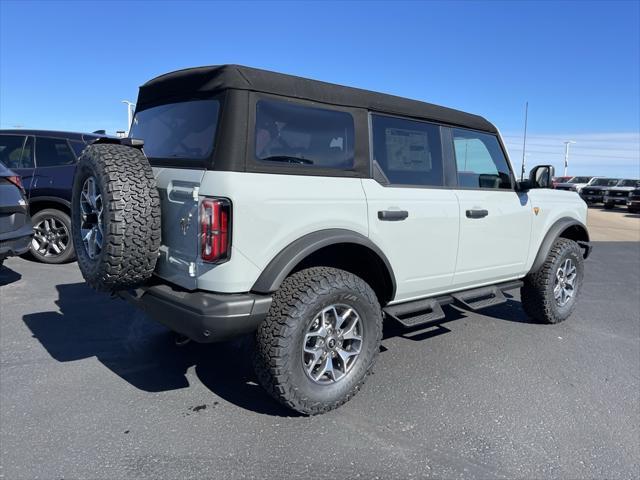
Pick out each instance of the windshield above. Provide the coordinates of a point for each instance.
(629, 183)
(605, 182)
(178, 130)
(579, 180)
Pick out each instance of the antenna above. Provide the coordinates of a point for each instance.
(524, 141)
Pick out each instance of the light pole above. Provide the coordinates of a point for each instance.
(566, 155)
(130, 106)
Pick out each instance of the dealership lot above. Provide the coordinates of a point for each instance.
(90, 388)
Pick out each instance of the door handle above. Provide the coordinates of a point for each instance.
(477, 213)
(392, 215)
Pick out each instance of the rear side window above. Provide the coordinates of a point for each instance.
(299, 135)
(178, 130)
(408, 152)
(53, 152)
(480, 161)
(15, 152)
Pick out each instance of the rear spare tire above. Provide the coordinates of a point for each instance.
(115, 217)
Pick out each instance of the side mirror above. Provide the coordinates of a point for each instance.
(540, 176)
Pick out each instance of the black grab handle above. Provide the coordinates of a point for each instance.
(477, 213)
(392, 215)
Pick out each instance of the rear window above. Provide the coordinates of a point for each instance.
(298, 135)
(178, 130)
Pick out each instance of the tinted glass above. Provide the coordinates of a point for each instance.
(178, 130)
(77, 146)
(580, 180)
(297, 135)
(53, 152)
(408, 152)
(28, 154)
(605, 182)
(11, 151)
(480, 161)
(629, 183)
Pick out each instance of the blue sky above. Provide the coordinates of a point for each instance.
(67, 65)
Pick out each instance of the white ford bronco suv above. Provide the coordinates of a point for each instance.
(309, 213)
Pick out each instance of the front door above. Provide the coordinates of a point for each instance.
(495, 221)
(412, 218)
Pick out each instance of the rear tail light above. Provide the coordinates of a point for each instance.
(17, 181)
(215, 231)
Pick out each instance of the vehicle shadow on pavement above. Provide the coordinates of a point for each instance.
(143, 352)
(8, 276)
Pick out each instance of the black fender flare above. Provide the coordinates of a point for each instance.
(554, 233)
(284, 262)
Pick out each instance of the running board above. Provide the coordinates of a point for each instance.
(484, 297)
(429, 311)
(418, 312)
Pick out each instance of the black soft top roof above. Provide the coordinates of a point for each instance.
(205, 82)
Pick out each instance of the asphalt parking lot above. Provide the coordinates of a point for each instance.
(90, 388)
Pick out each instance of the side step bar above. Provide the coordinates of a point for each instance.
(429, 311)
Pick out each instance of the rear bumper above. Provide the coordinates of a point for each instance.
(16, 242)
(201, 316)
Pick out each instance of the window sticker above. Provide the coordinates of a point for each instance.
(407, 150)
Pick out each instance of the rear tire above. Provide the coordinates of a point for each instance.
(115, 217)
(609, 206)
(52, 233)
(296, 362)
(542, 294)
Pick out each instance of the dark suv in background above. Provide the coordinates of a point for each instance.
(46, 161)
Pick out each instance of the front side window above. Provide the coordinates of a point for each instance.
(408, 152)
(580, 180)
(299, 135)
(605, 182)
(629, 183)
(480, 160)
(184, 130)
(53, 152)
(15, 153)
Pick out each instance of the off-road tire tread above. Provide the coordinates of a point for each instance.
(274, 335)
(536, 301)
(132, 236)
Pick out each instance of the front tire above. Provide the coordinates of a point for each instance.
(609, 206)
(52, 242)
(319, 341)
(549, 295)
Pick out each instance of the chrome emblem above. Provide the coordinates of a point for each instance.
(185, 223)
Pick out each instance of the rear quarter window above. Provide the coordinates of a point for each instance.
(303, 136)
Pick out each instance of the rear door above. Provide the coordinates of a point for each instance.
(55, 168)
(495, 221)
(413, 216)
(179, 141)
